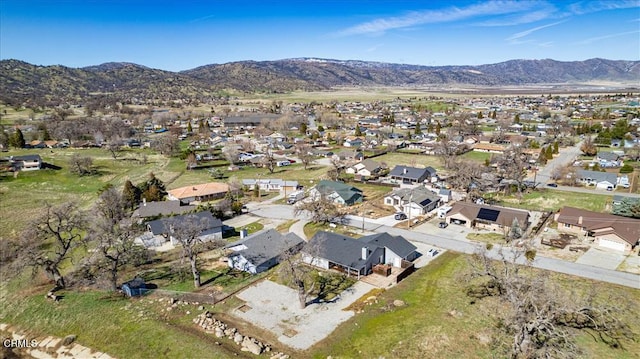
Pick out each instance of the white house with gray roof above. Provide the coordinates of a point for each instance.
(414, 201)
(601, 180)
(262, 250)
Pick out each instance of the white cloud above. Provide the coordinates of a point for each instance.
(604, 37)
(490, 8)
(596, 6)
(374, 48)
(522, 34)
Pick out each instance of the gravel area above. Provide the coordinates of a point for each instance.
(275, 307)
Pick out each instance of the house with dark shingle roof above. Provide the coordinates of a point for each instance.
(413, 201)
(482, 216)
(607, 230)
(262, 250)
(161, 228)
(357, 257)
(161, 208)
(338, 192)
(26, 163)
(608, 159)
(408, 175)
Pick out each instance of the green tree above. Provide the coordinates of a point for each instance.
(320, 128)
(303, 128)
(358, 131)
(418, 131)
(629, 207)
(438, 128)
(480, 115)
(17, 139)
(131, 194)
(549, 153)
(189, 128)
(627, 168)
(517, 118)
(556, 148)
(153, 189)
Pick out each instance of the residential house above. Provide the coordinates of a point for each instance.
(608, 159)
(351, 141)
(489, 148)
(481, 216)
(26, 163)
(445, 195)
(347, 155)
(357, 257)
(272, 185)
(199, 192)
(161, 208)
(413, 201)
(262, 250)
(602, 180)
(338, 192)
(607, 230)
(159, 231)
(367, 168)
(409, 175)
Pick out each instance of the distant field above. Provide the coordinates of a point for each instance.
(397, 158)
(477, 156)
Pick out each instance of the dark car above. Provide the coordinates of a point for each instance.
(552, 185)
(443, 224)
(400, 216)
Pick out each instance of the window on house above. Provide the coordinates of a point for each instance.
(567, 225)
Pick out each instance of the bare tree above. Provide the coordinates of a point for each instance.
(167, 144)
(588, 147)
(188, 233)
(81, 165)
(247, 145)
(447, 151)
(536, 318)
(113, 235)
(114, 146)
(293, 270)
(337, 170)
(303, 151)
(231, 153)
(50, 239)
(320, 210)
(512, 165)
(268, 160)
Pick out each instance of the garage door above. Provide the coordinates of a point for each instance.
(611, 244)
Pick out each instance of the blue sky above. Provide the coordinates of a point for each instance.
(179, 35)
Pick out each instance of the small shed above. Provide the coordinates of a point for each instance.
(134, 288)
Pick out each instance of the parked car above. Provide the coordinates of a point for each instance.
(432, 252)
(400, 216)
(552, 185)
(443, 224)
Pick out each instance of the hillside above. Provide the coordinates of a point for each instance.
(20, 81)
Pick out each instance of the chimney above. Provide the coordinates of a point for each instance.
(365, 251)
(580, 220)
(404, 171)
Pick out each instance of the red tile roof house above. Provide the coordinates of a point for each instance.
(199, 192)
(607, 230)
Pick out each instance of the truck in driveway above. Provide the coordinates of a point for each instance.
(295, 197)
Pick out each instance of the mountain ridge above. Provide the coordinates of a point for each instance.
(20, 81)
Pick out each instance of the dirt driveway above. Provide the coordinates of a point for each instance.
(275, 307)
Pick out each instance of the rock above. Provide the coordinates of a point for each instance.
(238, 338)
(69, 339)
(252, 347)
(201, 308)
(398, 303)
(218, 333)
(208, 314)
(169, 309)
(172, 300)
(188, 312)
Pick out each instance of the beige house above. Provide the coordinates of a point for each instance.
(199, 192)
(607, 230)
(492, 218)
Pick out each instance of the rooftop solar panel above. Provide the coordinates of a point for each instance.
(488, 214)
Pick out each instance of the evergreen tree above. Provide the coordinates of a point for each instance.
(358, 132)
(303, 128)
(153, 189)
(189, 127)
(480, 115)
(556, 148)
(418, 130)
(542, 158)
(438, 128)
(17, 139)
(629, 207)
(549, 153)
(517, 118)
(320, 128)
(131, 194)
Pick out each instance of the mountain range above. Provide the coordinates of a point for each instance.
(20, 80)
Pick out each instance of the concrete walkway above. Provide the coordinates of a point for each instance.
(45, 348)
(298, 228)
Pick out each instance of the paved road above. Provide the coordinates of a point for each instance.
(591, 190)
(444, 240)
(565, 156)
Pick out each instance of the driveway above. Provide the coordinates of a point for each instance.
(602, 258)
(275, 307)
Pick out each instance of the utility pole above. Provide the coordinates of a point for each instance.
(409, 214)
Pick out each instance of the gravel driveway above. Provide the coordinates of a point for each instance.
(275, 307)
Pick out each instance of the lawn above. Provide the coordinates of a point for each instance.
(439, 321)
(487, 237)
(397, 158)
(477, 156)
(547, 200)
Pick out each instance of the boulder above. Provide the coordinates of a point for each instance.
(238, 338)
(69, 339)
(398, 303)
(252, 347)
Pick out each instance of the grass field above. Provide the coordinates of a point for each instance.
(546, 200)
(477, 156)
(408, 159)
(438, 320)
